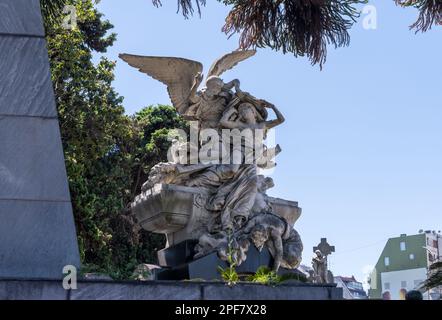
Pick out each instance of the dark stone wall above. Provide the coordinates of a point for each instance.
(37, 231)
(164, 290)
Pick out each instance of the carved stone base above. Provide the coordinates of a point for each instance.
(179, 266)
(178, 254)
(179, 212)
(176, 211)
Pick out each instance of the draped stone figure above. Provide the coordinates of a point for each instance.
(319, 264)
(230, 206)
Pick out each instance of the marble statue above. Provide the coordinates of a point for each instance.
(319, 264)
(230, 209)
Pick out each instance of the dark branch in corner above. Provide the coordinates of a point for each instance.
(304, 28)
(186, 6)
(430, 13)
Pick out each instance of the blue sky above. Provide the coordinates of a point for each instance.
(362, 147)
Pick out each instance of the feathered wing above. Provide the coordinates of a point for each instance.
(176, 73)
(228, 61)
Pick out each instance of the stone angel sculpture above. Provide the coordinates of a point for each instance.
(183, 78)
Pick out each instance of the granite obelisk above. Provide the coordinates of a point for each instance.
(37, 230)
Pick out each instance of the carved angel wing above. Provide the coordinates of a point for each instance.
(177, 73)
(228, 61)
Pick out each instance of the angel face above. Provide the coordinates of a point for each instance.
(247, 113)
(259, 237)
(265, 183)
(214, 86)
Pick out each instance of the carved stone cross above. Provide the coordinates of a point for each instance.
(324, 247)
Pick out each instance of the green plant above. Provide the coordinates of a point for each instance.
(292, 276)
(229, 274)
(264, 275)
(108, 154)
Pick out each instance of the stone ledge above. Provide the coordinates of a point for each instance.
(164, 290)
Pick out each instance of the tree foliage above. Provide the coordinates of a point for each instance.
(186, 6)
(108, 154)
(300, 27)
(430, 13)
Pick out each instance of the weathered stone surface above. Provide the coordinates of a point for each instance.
(26, 87)
(175, 255)
(21, 17)
(37, 230)
(206, 267)
(31, 160)
(165, 290)
(180, 213)
(37, 239)
(32, 290)
(222, 199)
(289, 210)
(146, 290)
(280, 292)
(167, 209)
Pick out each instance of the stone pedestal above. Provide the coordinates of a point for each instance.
(179, 213)
(207, 267)
(165, 290)
(37, 231)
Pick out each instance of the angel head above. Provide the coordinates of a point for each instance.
(318, 253)
(264, 183)
(251, 114)
(214, 86)
(179, 74)
(259, 236)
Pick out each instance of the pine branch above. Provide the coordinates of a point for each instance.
(302, 27)
(186, 6)
(430, 13)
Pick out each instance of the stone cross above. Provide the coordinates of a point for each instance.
(325, 248)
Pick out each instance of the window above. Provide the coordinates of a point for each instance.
(403, 246)
(403, 284)
(435, 243)
(411, 256)
(387, 261)
(387, 286)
